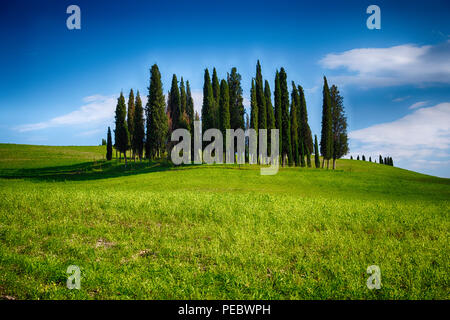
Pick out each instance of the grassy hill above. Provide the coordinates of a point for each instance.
(154, 231)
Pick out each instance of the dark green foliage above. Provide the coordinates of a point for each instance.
(130, 117)
(260, 98)
(216, 94)
(253, 108)
(208, 104)
(381, 160)
(139, 129)
(183, 97)
(316, 153)
(351, 157)
(357, 158)
(326, 140)
(103, 142)
(236, 100)
(190, 107)
(302, 155)
(308, 157)
(157, 125)
(363, 158)
(286, 150)
(109, 145)
(278, 113)
(339, 127)
(174, 105)
(122, 135)
(224, 108)
(305, 131)
(370, 159)
(296, 147)
(270, 114)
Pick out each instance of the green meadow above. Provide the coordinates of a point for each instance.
(155, 231)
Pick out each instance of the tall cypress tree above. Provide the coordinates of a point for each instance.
(122, 135)
(260, 98)
(278, 113)
(190, 107)
(296, 148)
(224, 108)
(139, 129)
(286, 150)
(302, 155)
(157, 126)
(316, 152)
(381, 159)
(270, 114)
(253, 107)
(183, 97)
(236, 100)
(174, 104)
(216, 94)
(305, 134)
(130, 117)
(109, 145)
(208, 104)
(326, 140)
(339, 125)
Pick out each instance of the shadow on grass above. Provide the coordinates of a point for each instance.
(87, 171)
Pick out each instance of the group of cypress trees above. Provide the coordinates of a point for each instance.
(223, 109)
(386, 160)
(334, 140)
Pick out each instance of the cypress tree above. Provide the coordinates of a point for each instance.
(109, 145)
(370, 159)
(216, 94)
(208, 104)
(174, 104)
(363, 158)
(130, 117)
(308, 158)
(157, 125)
(253, 108)
(278, 113)
(392, 162)
(122, 135)
(183, 97)
(305, 135)
(380, 160)
(339, 126)
(357, 158)
(139, 129)
(260, 98)
(286, 151)
(296, 148)
(326, 143)
(270, 114)
(190, 107)
(236, 100)
(224, 109)
(316, 153)
(351, 157)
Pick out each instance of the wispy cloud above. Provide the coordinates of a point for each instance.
(97, 108)
(400, 99)
(414, 140)
(419, 104)
(398, 65)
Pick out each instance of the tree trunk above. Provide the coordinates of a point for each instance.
(323, 162)
(328, 164)
(334, 163)
(125, 156)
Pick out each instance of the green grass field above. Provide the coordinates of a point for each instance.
(154, 231)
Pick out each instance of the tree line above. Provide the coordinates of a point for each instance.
(386, 160)
(148, 129)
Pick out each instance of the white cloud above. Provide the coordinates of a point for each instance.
(398, 65)
(419, 104)
(414, 140)
(98, 108)
(399, 99)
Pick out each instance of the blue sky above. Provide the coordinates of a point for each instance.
(59, 86)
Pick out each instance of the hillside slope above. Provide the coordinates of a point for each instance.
(218, 232)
